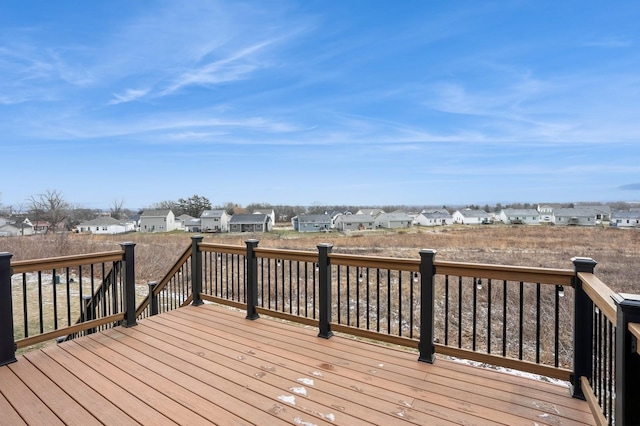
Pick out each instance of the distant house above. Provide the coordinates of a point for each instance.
(182, 220)
(214, 221)
(582, 215)
(193, 225)
(106, 225)
(311, 223)
(157, 221)
(10, 228)
(545, 213)
(353, 222)
(250, 223)
(393, 220)
(269, 212)
(439, 217)
(520, 216)
(625, 219)
(471, 217)
(370, 212)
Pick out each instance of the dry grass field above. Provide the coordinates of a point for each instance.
(617, 251)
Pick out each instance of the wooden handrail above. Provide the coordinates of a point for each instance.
(28, 341)
(223, 248)
(600, 294)
(163, 282)
(504, 272)
(271, 253)
(34, 265)
(592, 401)
(400, 264)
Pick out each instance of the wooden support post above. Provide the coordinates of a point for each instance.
(627, 360)
(252, 280)
(324, 278)
(153, 299)
(129, 293)
(582, 328)
(196, 270)
(7, 342)
(427, 272)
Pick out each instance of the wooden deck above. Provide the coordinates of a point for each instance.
(209, 365)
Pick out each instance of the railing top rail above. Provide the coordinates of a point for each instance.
(272, 253)
(600, 294)
(503, 272)
(223, 248)
(634, 328)
(33, 265)
(363, 261)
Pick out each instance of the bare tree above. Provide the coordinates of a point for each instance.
(49, 207)
(116, 210)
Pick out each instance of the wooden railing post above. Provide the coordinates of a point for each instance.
(427, 272)
(627, 360)
(7, 342)
(88, 311)
(324, 285)
(252, 280)
(153, 299)
(196, 270)
(129, 293)
(582, 327)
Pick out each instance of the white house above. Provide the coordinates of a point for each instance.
(393, 220)
(471, 217)
(106, 225)
(214, 221)
(625, 219)
(438, 217)
(181, 221)
(9, 228)
(520, 216)
(157, 221)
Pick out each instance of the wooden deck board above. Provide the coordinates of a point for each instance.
(209, 365)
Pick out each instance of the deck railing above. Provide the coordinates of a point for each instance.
(562, 323)
(63, 297)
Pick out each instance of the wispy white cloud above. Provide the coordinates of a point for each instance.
(610, 43)
(129, 95)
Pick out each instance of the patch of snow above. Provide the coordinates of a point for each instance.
(305, 381)
(329, 417)
(299, 421)
(299, 391)
(511, 371)
(316, 374)
(289, 399)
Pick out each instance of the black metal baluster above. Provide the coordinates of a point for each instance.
(538, 323)
(520, 319)
(504, 318)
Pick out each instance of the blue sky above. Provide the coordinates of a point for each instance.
(320, 102)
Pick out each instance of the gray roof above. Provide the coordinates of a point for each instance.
(155, 213)
(520, 212)
(314, 218)
(436, 214)
(212, 213)
(249, 218)
(624, 214)
(102, 221)
(395, 216)
(579, 211)
(353, 218)
(474, 213)
(185, 217)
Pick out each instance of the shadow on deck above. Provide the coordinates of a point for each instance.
(210, 365)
